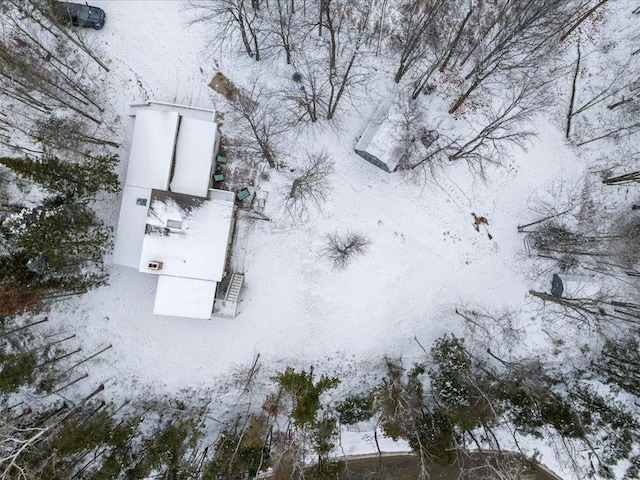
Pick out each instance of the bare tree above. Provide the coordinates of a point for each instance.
(599, 312)
(231, 17)
(504, 128)
(342, 248)
(572, 98)
(330, 73)
(419, 143)
(26, 76)
(491, 141)
(581, 19)
(285, 24)
(16, 443)
(618, 86)
(501, 329)
(344, 48)
(456, 35)
(43, 13)
(514, 36)
(623, 179)
(310, 185)
(576, 233)
(417, 32)
(68, 134)
(561, 197)
(310, 98)
(264, 122)
(49, 84)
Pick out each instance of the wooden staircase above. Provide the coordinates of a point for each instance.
(233, 292)
(227, 307)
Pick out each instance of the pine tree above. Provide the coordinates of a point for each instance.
(241, 450)
(305, 393)
(56, 245)
(619, 362)
(67, 235)
(14, 271)
(66, 178)
(458, 385)
(18, 365)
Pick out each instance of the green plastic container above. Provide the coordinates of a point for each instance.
(242, 194)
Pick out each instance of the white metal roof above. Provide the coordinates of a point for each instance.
(378, 138)
(198, 250)
(200, 113)
(131, 226)
(184, 297)
(152, 149)
(195, 148)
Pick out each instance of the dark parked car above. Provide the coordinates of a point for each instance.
(80, 15)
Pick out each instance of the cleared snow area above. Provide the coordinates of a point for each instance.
(425, 257)
(424, 260)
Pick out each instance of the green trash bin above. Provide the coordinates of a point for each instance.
(242, 194)
(218, 177)
(221, 159)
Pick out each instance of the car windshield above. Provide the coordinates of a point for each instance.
(82, 12)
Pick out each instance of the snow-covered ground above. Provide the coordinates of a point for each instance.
(424, 260)
(425, 256)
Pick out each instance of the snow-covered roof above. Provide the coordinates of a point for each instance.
(152, 149)
(186, 229)
(184, 297)
(195, 148)
(131, 226)
(190, 111)
(196, 246)
(378, 138)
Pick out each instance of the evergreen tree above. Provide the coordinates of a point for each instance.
(305, 392)
(18, 365)
(14, 271)
(400, 398)
(407, 413)
(354, 409)
(65, 178)
(241, 451)
(165, 451)
(64, 237)
(433, 437)
(619, 362)
(459, 386)
(616, 429)
(54, 246)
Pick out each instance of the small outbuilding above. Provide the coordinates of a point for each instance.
(377, 144)
(391, 139)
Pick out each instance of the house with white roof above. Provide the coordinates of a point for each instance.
(172, 223)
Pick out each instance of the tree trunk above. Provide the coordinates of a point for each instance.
(582, 19)
(573, 92)
(456, 40)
